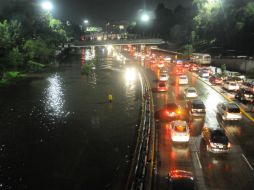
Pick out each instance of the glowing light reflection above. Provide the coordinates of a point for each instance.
(54, 96)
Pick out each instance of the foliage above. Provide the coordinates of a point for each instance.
(86, 69)
(10, 33)
(35, 66)
(38, 50)
(15, 58)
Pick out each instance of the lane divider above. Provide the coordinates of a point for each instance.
(228, 99)
(248, 163)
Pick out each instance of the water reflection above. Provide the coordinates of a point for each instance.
(54, 96)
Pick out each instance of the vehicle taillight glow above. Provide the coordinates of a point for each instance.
(229, 145)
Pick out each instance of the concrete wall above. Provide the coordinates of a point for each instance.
(240, 65)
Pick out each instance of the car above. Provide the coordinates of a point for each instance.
(230, 85)
(172, 111)
(164, 70)
(179, 70)
(203, 73)
(162, 86)
(183, 79)
(190, 92)
(235, 79)
(180, 131)
(193, 67)
(163, 77)
(186, 64)
(215, 80)
(179, 63)
(196, 108)
(215, 139)
(229, 111)
(244, 95)
(181, 179)
(248, 85)
(236, 74)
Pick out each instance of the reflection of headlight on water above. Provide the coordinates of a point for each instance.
(130, 74)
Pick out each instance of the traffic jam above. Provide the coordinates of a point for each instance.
(200, 113)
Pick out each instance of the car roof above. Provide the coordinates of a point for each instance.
(191, 88)
(197, 101)
(231, 105)
(179, 122)
(180, 174)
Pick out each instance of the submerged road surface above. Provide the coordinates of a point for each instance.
(58, 131)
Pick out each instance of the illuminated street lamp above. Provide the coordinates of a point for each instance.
(145, 17)
(86, 22)
(47, 6)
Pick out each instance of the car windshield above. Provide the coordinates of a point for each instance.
(180, 128)
(233, 110)
(198, 105)
(191, 91)
(162, 84)
(219, 136)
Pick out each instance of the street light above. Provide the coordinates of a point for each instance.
(86, 22)
(145, 17)
(47, 6)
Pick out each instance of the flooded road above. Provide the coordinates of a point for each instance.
(58, 131)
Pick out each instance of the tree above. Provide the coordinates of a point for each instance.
(38, 50)
(15, 58)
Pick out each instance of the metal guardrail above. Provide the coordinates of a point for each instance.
(139, 178)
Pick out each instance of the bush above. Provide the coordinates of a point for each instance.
(35, 66)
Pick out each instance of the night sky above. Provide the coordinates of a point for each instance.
(99, 11)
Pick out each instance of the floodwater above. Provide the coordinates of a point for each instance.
(58, 130)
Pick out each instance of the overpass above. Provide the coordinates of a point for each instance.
(152, 41)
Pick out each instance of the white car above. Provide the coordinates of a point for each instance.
(190, 92)
(229, 111)
(231, 85)
(183, 79)
(163, 77)
(180, 131)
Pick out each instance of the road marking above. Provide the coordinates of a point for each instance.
(251, 168)
(199, 163)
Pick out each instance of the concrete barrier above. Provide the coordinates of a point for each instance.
(240, 65)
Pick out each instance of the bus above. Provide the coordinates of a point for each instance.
(201, 58)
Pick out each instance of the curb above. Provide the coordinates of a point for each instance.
(225, 97)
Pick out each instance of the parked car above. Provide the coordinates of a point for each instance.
(190, 92)
(180, 179)
(229, 111)
(230, 85)
(183, 79)
(196, 108)
(162, 86)
(216, 140)
(244, 95)
(215, 80)
(180, 131)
